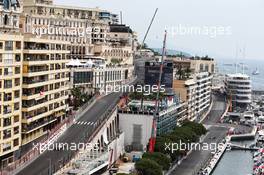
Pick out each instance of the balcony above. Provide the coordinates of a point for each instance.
(31, 103)
(34, 81)
(32, 114)
(35, 59)
(36, 46)
(37, 125)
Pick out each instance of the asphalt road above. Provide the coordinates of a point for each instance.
(197, 158)
(77, 133)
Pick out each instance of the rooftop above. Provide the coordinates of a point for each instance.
(238, 75)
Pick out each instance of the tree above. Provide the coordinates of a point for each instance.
(148, 167)
(160, 158)
(79, 98)
(198, 128)
(188, 72)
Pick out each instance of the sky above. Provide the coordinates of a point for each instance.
(218, 28)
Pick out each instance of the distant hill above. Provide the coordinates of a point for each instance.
(172, 52)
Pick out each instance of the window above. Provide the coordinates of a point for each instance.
(9, 45)
(1, 45)
(7, 122)
(8, 71)
(18, 58)
(6, 20)
(16, 141)
(7, 96)
(7, 133)
(7, 84)
(17, 70)
(16, 106)
(6, 147)
(8, 59)
(17, 82)
(7, 109)
(16, 119)
(16, 130)
(17, 94)
(18, 45)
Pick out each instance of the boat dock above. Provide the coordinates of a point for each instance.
(212, 163)
(248, 136)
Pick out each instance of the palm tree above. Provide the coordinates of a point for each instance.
(188, 72)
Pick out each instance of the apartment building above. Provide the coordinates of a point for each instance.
(196, 92)
(81, 26)
(34, 78)
(121, 45)
(10, 95)
(11, 56)
(91, 31)
(94, 74)
(195, 65)
(238, 88)
(45, 86)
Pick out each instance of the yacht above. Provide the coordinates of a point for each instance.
(255, 72)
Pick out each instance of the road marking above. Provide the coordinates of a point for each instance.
(88, 123)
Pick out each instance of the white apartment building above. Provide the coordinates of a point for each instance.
(196, 92)
(239, 89)
(93, 76)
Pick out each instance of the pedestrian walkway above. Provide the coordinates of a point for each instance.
(84, 123)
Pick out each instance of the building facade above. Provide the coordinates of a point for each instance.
(238, 88)
(196, 92)
(37, 40)
(194, 65)
(152, 73)
(45, 86)
(96, 78)
(11, 56)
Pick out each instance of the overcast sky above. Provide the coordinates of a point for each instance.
(241, 20)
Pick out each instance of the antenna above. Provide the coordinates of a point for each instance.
(236, 60)
(121, 17)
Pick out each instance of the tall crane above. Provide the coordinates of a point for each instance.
(152, 141)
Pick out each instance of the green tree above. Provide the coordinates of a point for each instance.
(79, 98)
(198, 128)
(160, 158)
(148, 167)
